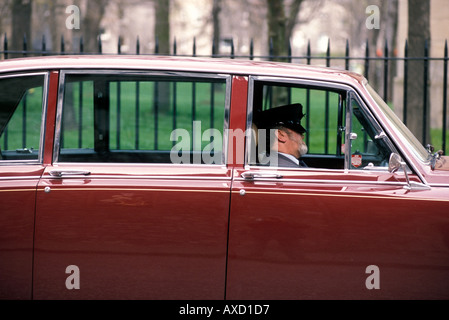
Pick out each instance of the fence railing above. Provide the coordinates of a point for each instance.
(383, 65)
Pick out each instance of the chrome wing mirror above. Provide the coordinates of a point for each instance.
(395, 164)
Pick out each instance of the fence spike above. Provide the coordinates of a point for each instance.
(309, 52)
(347, 55)
(100, 44)
(119, 45)
(137, 45)
(25, 45)
(81, 44)
(251, 49)
(214, 48)
(175, 47)
(5, 46)
(44, 45)
(289, 50)
(62, 44)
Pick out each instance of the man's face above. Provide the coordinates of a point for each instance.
(292, 142)
(298, 144)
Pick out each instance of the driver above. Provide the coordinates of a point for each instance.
(286, 138)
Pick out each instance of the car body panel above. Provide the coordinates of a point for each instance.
(313, 235)
(17, 203)
(135, 234)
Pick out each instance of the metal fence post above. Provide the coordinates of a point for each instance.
(445, 97)
(386, 71)
(347, 55)
(25, 49)
(366, 71)
(426, 79)
(404, 111)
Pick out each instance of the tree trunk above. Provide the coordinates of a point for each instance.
(216, 26)
(162, 27)
(418, 120)
(162, 34)
(277, 29)
(280, 28)
(21, 24)
(90, 26)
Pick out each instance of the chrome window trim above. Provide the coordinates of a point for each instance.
(45, 93)
(140, 177)
(36, 177)
(439, 185)
(143, 72)
(338, 183)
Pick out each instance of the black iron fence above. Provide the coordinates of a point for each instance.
(384, 65)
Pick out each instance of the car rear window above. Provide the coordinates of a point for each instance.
(21, 105)
(143, 118)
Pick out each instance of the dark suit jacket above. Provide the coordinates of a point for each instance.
(284, 161)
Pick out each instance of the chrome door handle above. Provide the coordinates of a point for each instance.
(254, 175)
(60, 173)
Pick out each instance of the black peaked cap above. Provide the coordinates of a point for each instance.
(288, 116)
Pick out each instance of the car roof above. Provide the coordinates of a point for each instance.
(241, 67)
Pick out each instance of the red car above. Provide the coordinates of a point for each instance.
(131, 177)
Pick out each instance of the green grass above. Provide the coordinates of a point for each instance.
(28, 115)
(436, 136)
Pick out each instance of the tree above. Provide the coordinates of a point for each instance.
(216, 8)
(21, 23)
(162, 34)
(91, 24)
(280, 28)
(418, 35)
(280, 25)
(162, 26)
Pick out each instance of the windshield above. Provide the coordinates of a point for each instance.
(406, 135)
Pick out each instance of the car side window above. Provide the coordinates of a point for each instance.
(21, 104)
(143, 118)
(323, 120)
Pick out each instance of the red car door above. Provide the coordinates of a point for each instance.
(136, 203)
(354, 232)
